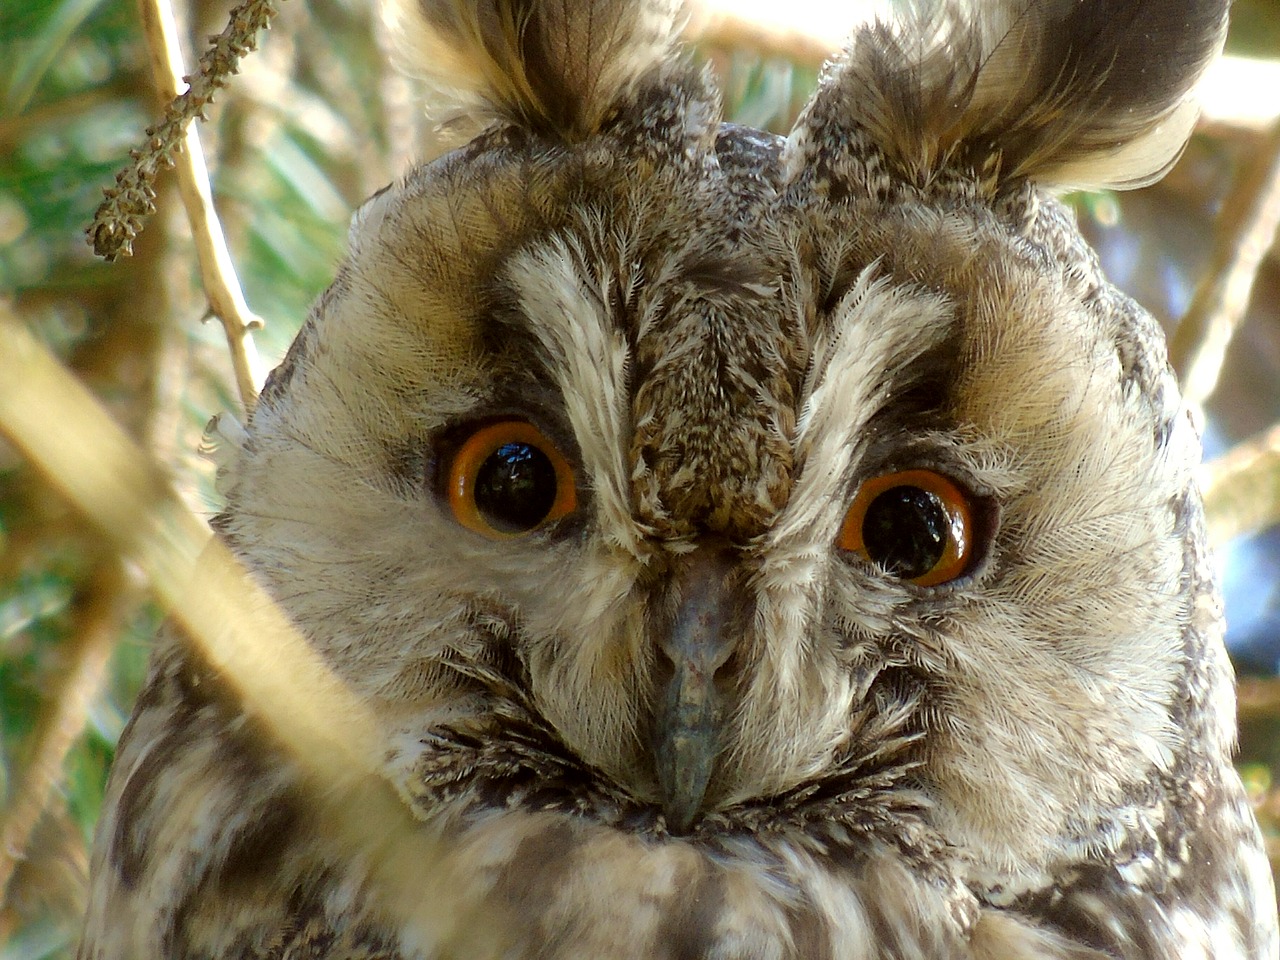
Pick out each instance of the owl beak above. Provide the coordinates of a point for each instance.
(686, 734)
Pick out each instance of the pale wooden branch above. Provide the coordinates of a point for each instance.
(402, 117)
(17, 128)
(1240, 94)
(329, 732)
(116, 486)
(217, 272)
(721, 25)
(118, 219)
(174, 141)
(104, 607)
(1246, 230)
(1242, 488)
(1273, 855)
(1258, 696)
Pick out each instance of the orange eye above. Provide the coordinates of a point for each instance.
(507, 479)
(917, 524)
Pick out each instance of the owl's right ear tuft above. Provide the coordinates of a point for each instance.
(555, 67)
(1068, 93)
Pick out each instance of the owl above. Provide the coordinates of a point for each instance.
(746, 546)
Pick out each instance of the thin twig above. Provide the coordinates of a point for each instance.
(1242, 487)
(119, 219)
(118, 488)
(104, 607)
(402, 118)
(720, 25)
(1247, 228)
(328, 731)
(1258, 696)
(174, 141)
(217, 272)
(15, 129)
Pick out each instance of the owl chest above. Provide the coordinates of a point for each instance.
(559, 887)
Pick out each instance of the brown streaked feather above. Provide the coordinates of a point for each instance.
(1070, 93)
(553, 67)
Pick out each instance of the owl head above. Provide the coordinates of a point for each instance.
(680, 481)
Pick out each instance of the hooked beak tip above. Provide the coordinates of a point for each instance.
(687, 724)
(684, 770)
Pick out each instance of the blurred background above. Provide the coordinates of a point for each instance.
(314, 123)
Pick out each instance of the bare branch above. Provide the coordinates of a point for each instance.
(175, 142)
(118, 488)
(217, 272)
(722, 24)
(119, 218)
(104, 607)
(1246, 230)
(1258, 696)
(1242, 487)
(328, 731)
(1239, 94)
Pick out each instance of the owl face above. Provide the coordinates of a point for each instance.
(699, 406)
(762, 506)
(705, 343)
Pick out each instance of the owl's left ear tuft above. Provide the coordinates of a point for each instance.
(1068, 93)
(554, 67)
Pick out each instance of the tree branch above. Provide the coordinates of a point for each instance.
(1242, 488)
(1258, 696)
(175, 142)
(1246, 230)
(103, 608)
(328, 731)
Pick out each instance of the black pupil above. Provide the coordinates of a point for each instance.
(515, 487)
(905, 530)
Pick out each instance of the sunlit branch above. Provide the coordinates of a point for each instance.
(1242, 488)
(1246, 230)
(327, 731)
(103, 607)
(175, 142)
